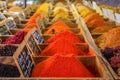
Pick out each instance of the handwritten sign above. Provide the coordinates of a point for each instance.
(25, 62)
(17, 21)
(86, 3)
(111, 14)
(94, 5)
(38, 37)
(4, 30)
(105, 12)
(33, 45)
(40, 24)
(2, 16)
(117, 17)
(10, 24)
(22, 16)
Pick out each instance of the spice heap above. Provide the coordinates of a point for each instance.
(57, 27)
(109, 39)
(68, 35)
(60, 12)
(61, 66)
(16, 39)
(62, 46)
(32, 21)
(84, 11)
(8, 50)
(113, 56)
(43, 9)
(94, 20)
(9, 71)
(101, 29)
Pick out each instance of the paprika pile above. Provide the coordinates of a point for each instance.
(61, 66)
(57, 27)
(70, 36)
(32, 21)
(62, 45)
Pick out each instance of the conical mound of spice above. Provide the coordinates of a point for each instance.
(57, 27)
(61, 66)
(32, 21)
(70, 36)
(109, 39)
(63, 46)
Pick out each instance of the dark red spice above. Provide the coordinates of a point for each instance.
(70, 36)
(63, 46)
(16, 39)
(61, 66)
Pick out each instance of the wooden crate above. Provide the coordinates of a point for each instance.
(27, 14)
(24, 60)
(12, 25)
(17, 20)
(4, 30)
(32, 43)
(2, 45)
(21, 16)
(3, 38)
(9, 60)
(116, 77)
(36, 47)
(92, 63)
(37, 35)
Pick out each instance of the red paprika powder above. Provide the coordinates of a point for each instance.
(61, 66)
(57, 27)
(69, 35)
(62, 45)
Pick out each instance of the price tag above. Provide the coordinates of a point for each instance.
(21, 15)
(111, 14)
(49, 10)
(17, 21)
(74, 12)
(10, 24)
(24, 62)
(117, 16)
(94, 5)
(40, 24)
(26, 13)
(33, 46)
(2, 16)
(86, 3)
(45, 21)
(99, 10)
(105, 12)
(4, 30)
(38, 37)
(0, 41)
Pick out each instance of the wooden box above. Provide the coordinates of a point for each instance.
(93, 64)
(116, 77)
(24, 60)
(4, 30)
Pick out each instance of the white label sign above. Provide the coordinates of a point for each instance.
(94, 5)
(111, 15)
(86, 3)
(117, 16)
(105, 12)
